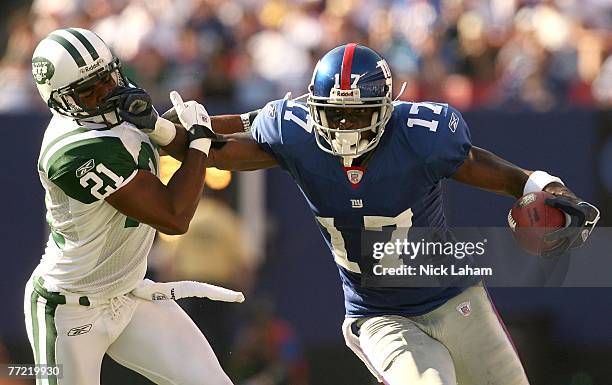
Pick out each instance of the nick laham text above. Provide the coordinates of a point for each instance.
(432, 270)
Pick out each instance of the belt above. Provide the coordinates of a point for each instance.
(59, 298)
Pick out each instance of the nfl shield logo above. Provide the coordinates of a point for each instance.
(464, 308)
(354, 176)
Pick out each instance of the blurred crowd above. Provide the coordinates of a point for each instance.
(238, 54)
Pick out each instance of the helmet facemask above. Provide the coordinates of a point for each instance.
(68, 102)
(349, 127)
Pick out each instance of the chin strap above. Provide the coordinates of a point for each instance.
(345, 142)
(347, 161)
(401, 91)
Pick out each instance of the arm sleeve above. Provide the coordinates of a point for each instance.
(267, 131)
(91, 170)
(452, 145)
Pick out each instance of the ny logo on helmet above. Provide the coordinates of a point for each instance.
(42, 70)
(384, 66)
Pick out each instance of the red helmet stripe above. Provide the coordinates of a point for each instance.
(347, 63)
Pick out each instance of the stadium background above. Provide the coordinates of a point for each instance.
(533, 77)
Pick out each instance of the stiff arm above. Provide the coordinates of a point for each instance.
(236, 150)
(240, 153)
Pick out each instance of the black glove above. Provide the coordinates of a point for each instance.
(198, 131)
(135, 106)
(583, 217)
(172, 116)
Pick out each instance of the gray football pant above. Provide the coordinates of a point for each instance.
(462, 342)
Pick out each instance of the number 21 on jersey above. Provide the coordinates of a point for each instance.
(98, 189)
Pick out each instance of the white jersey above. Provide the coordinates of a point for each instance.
(93, 249)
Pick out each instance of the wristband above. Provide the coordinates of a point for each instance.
(247, 119)
(163, 133)
(201, 144)
(538, 180)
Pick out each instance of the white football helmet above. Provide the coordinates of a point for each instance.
(69, 61)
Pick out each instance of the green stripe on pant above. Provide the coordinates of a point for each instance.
(51, 333)
(33, 316)
(51, 337)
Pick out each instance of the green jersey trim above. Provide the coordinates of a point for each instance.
(147, 153)
(49, 145)
(60, 142)
(90, 170)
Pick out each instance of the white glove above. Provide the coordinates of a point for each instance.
(156, 291)
(195, 119)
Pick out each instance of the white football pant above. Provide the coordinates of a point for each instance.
(154, 338)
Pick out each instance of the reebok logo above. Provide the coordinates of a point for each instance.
(453, 122)
(79, 330)
(84, 169)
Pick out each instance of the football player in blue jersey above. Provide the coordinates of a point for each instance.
(362, 161)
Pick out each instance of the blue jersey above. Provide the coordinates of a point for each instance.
(423, 143)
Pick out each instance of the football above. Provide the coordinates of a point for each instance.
(530, 219)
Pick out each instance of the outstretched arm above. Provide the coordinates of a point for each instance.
(234, 150)
(221, 124)
(240, 152)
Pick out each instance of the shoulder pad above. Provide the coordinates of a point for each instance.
(91, 168)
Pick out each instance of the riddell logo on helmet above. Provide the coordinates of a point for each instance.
(92, 67)
(344, 95)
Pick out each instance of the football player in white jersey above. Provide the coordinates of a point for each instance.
(104, 203)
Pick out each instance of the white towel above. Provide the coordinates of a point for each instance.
(155, 291)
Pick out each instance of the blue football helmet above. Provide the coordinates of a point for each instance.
(350, 102)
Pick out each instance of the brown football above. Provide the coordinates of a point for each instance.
(531, 219)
